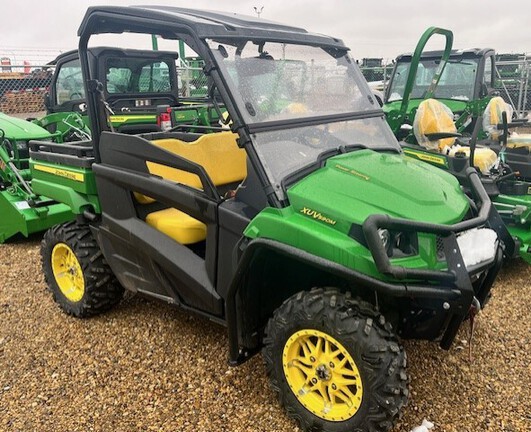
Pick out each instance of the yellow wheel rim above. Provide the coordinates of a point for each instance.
(322, 375)
(67, 272)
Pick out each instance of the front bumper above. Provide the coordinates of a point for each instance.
(464, 283)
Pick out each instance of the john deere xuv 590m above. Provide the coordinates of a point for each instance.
(304, 230)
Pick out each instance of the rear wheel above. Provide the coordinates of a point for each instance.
(335, 363)
(80, 280)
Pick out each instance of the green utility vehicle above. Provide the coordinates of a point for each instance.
(422, 80)
(304, 229)
(135, 84)
(21, 210)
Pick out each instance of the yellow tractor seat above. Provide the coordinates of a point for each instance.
(493, 117)
(222, 159)
(217, 153)
(433, 116)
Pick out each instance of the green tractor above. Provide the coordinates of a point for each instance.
(462, 79)
(463, 82)
(21, 210)
(140, 87)
(302, 229)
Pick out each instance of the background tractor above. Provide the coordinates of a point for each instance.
(461, 79)
(135, 85)
(142, 94)
(21, 210)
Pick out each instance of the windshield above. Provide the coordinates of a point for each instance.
(279, 82)
(457, 81)
(69, 84)
(275, 81)
(285, 151)
(137, 75)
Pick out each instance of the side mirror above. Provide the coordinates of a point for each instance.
(47, 101)
(485, 91)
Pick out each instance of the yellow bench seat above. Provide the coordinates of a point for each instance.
(177, 225)
(222, 159)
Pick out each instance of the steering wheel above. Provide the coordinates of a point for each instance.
(309, 136)
(76, 96)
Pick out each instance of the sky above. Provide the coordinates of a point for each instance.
(382, 28)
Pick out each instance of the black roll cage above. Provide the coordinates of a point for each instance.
(193, 27)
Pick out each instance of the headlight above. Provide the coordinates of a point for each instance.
(478, 246)
(385, 237)
(399, 244)
(21, 145)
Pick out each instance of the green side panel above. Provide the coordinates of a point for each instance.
(315, 237)
(186, 116)
(18, 217)
(193, 115)
(322, 239)
(78, 179)
(75, 201)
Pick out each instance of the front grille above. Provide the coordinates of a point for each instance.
(440, 249)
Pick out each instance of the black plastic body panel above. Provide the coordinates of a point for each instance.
(140, 254)
(232, 223)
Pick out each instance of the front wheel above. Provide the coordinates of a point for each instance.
(335, 363)
(80, 280)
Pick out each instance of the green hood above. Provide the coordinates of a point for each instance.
(353, 186)
(19, 129)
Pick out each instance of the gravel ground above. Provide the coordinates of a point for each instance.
(148, 367)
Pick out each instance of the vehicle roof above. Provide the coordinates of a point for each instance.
(203, 23)
(62, 56)
(454, 54)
